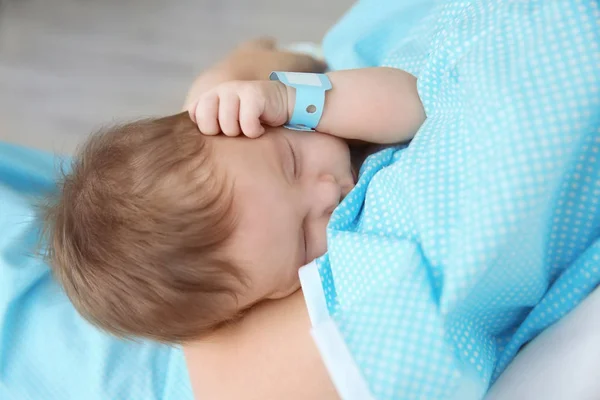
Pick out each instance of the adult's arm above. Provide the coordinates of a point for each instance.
(253, 60)
(269, 354)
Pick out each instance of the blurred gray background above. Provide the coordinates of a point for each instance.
(69, 66)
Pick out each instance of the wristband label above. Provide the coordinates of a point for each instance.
(295, 78)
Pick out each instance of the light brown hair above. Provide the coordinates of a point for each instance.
(136, 232)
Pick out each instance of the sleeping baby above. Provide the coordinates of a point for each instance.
(167, 228)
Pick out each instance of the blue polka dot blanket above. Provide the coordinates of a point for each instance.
(453, 252)
(47, 350)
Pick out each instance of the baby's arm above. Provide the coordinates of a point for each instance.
(377, 105)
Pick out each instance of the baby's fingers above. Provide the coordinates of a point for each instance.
(229, 109)
(250, 113)
(191, 109)
(205, 114)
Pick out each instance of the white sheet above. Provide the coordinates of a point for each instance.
(562, 363)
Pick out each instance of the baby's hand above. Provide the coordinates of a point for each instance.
(240, 107)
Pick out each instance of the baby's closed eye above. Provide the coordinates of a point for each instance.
(294, 159)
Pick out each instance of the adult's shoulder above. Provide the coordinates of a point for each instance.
(268, 354)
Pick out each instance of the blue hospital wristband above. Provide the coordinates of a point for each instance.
(310, 97)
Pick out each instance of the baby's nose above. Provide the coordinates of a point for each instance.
(327, 194)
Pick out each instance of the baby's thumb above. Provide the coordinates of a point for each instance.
(255, 133)
(250, 123)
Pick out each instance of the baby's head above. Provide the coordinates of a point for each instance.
(161, 232)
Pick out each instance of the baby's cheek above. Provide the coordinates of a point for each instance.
(318, 239)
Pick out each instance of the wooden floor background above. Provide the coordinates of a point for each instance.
(69, 66)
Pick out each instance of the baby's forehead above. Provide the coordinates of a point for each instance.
(228, 142)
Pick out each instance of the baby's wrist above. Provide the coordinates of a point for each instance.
(283, 98)
(305, 97)
(289, 100)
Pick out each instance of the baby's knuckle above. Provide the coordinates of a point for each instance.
(247, 91)
(235, 86)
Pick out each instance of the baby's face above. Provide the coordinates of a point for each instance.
(286, 184)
